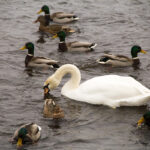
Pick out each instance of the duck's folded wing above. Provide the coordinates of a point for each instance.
(79, 44)
(116, 57)
(33, 132)
(55, 27)
(43, 60)
(61, 15)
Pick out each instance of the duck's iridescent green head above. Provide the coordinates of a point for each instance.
(22, 132)
(44, 9)
(61, 35)
(21, 135)
(135, 50)
(30, 47)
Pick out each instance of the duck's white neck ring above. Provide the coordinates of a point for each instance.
(30, 55)
(135, 58)
(62, 42)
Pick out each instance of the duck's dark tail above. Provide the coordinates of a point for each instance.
(55, 66)
(75, 17)
(92, 46)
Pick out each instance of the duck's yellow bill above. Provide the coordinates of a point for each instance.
(19, 143)
(140, 121)
(39, 11)
(46, 90)
(55, 36)
(22, 48)
(142, 51)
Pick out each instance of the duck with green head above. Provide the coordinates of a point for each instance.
(28, 133)
(73, 46)
(121, 60)
(58, 17)
(31, 61)
(145, 119)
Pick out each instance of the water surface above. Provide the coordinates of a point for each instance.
(115, 25)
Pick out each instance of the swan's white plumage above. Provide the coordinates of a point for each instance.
(111, 90)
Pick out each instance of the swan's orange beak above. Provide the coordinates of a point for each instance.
(142, 51)
(140, 121)
(46, 90)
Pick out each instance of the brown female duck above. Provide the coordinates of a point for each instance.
(53, 28)
(52, 110)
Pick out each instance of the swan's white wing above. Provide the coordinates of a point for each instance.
(111, 90)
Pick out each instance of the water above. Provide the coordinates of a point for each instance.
(115, 25)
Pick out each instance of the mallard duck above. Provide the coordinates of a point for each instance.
(52, 29)
(52, 110)
(28, 133)
(73, 46)
(31, 61)
(58, 17)
(111, 90)
(145, 119)
(122, 61)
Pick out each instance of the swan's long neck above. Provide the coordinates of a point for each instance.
(75, 76)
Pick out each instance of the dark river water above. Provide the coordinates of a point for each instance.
(115, 25)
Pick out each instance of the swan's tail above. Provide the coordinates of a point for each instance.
(133, 101)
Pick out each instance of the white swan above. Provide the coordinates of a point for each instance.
(110, 90)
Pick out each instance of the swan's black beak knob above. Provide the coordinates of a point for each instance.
(46, 89)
